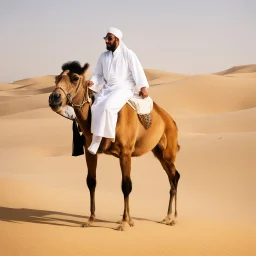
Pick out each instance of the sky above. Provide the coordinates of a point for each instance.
(181, 36)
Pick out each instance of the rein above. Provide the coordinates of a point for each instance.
(86, 99)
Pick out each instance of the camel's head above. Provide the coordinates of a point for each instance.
(70, 87)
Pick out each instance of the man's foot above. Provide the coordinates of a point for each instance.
(93, 148)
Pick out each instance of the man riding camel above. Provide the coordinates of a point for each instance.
(120, 70)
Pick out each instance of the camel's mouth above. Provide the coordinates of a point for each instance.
(66, 111)
(55, 101)
(55, 106)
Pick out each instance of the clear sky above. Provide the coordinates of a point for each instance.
(183, 36)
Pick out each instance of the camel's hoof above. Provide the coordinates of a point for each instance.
(131, 223)
(120, 228)
(168, 222)
(86, 224)
(171, 223)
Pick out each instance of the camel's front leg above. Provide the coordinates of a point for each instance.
(125, 163)
(91, 161)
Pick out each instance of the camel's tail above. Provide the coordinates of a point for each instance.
(178, 147)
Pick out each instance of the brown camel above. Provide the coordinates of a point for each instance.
(132, 139)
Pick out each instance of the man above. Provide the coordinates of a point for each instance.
(119, 69)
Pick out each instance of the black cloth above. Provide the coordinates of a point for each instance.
(78, 141)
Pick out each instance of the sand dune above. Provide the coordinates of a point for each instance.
(6, 87)
(4, 98)
(152, 74)
(27, 92)
(43, 192)
(228, 122)
(23, 104)
(157, 77)
(239, 69)
(206, 94)
(36, 82)
(242, 75)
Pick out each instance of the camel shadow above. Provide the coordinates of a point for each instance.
(145, 219)
(21, 215)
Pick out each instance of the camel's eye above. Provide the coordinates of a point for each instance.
(75, 78)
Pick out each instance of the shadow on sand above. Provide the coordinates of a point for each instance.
(19, 215)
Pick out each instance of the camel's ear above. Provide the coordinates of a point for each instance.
(65, 72)
(85, 68)
(57, 79)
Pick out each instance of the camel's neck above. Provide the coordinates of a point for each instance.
(83, 114)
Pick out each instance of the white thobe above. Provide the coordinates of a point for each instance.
(120, 71)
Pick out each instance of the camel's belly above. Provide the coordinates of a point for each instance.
(149, 139)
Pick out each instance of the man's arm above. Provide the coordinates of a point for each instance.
(138, 75)
(143, 92)
(97, 78)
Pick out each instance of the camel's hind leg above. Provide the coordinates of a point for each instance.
(125, 163)
(166, 159)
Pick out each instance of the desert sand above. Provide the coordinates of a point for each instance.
(44, 196)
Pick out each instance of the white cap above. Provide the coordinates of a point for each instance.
(118, 33)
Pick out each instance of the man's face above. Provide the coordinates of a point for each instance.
(111, 42)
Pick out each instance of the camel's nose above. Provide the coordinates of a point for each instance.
(55, 99)
(55, 95)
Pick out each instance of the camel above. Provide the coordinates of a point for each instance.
(132, 139)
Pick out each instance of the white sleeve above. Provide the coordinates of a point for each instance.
(137, 71)
(97, 77)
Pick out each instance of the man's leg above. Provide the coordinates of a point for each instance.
(104, 116)
(93, 148)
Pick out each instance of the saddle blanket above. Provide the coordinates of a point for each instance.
(141, 106)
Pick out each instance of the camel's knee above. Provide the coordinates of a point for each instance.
(176, 178)
(126, 186)
(91, 182)
(173, 191)
(169, 155)
(174, 183)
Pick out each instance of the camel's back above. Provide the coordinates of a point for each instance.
(130, 131)
(129, 118)
(165, 116)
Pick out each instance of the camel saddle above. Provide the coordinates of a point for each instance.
(143, 107)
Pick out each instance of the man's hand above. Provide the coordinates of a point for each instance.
(89, 83)
(143, 92)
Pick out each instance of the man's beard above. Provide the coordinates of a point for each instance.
(112, 47)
